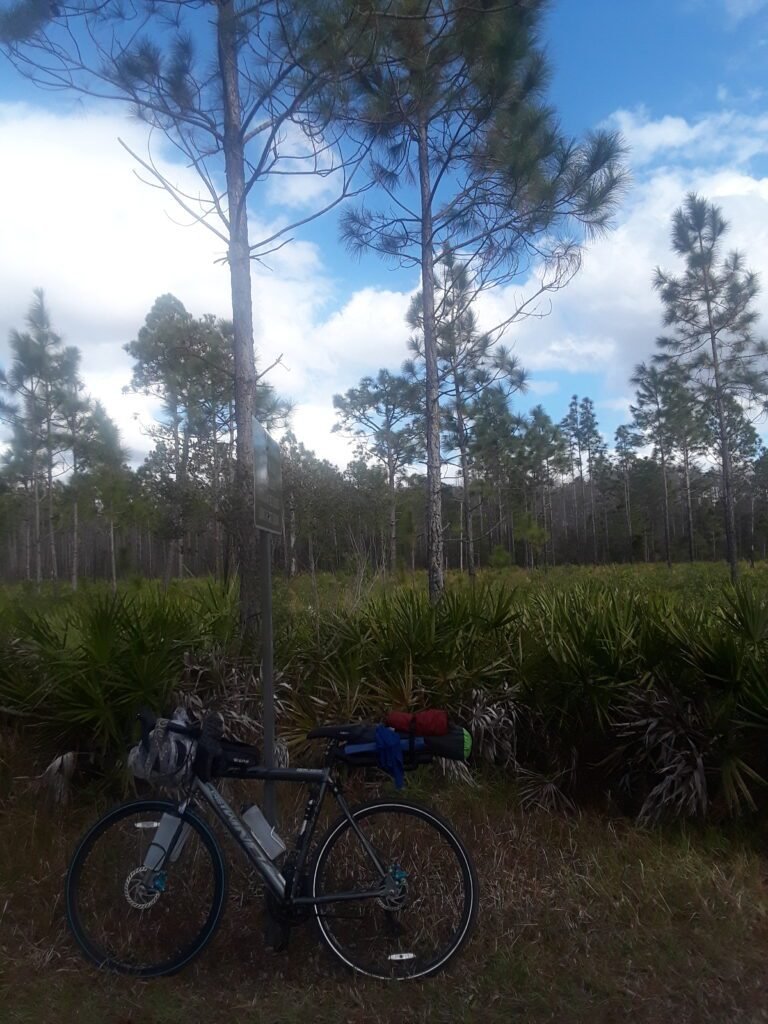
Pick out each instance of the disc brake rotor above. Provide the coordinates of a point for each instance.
(137, 893)
(396, 896)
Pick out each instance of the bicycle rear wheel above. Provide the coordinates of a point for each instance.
(429, 908)
(145, 889)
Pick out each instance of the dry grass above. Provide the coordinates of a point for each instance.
(582, 919)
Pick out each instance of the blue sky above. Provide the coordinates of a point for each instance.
(670, 56)
(684, 80)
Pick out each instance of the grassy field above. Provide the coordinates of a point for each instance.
(592, 694)
(583, 917)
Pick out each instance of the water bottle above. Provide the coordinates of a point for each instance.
(264, 833)
(165, 830)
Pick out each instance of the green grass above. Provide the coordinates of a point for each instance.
(583, 918)
(584, 687)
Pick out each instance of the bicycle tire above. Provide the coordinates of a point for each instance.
(426, 925)
(112, 916)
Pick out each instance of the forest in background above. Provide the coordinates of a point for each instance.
(467, 179)
(519, 489)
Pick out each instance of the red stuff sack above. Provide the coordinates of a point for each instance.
(423, 723)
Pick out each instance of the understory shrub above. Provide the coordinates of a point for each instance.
(586, 686)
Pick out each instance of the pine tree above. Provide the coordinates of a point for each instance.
(496, 444)
(187, 364)
(591, 443)
(652, 414)
(469, 365)
(544, 452)
(627, 442)
(232, 87)
(453, 103)
(42, 377)
(380, 412)
(690, 434)
(570, 429)
(710, 310)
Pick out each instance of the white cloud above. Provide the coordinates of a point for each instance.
(135, 411)
(608, 318)
(313, 423)
(538, 386)
(739, 9)
(369, 327)
(77, 222)
(302, 188)
(724, 136)
(620, 404)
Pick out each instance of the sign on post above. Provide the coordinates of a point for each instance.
(267, 481)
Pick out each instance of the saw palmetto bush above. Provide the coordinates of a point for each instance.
(591, 689)
(699, 732)
(648, 689)
(77, 675)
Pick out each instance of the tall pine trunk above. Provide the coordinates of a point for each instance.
(725, 452)
(512, 545)
(667, 551)
(52, 566)
(37, 535)
(27, 552)
(53, 569)
(550, 541)
(292, 563)
(592, 514)
(242, 320)
(75, 543)
(216, 503)
(582, 488)
(112, 559)
(688, 503)
(392, 520)
(467, 524)
(434, 513)
(181, 477)
(461, 534)
(500, 514)
(628, 514)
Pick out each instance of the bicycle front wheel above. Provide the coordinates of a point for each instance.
(145, 889)
(428, 894)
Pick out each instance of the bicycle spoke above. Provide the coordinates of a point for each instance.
(132, 908)
(422, 917)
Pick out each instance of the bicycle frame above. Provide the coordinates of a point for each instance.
(274, 879)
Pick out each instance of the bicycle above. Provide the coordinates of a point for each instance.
(391, 887)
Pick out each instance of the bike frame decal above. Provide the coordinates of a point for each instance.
(243, 836)
(272, 876)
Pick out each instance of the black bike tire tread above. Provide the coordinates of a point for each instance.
(218, 861)
(337, 828)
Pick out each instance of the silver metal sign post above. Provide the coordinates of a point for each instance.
(267, 511)
(267, 674)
